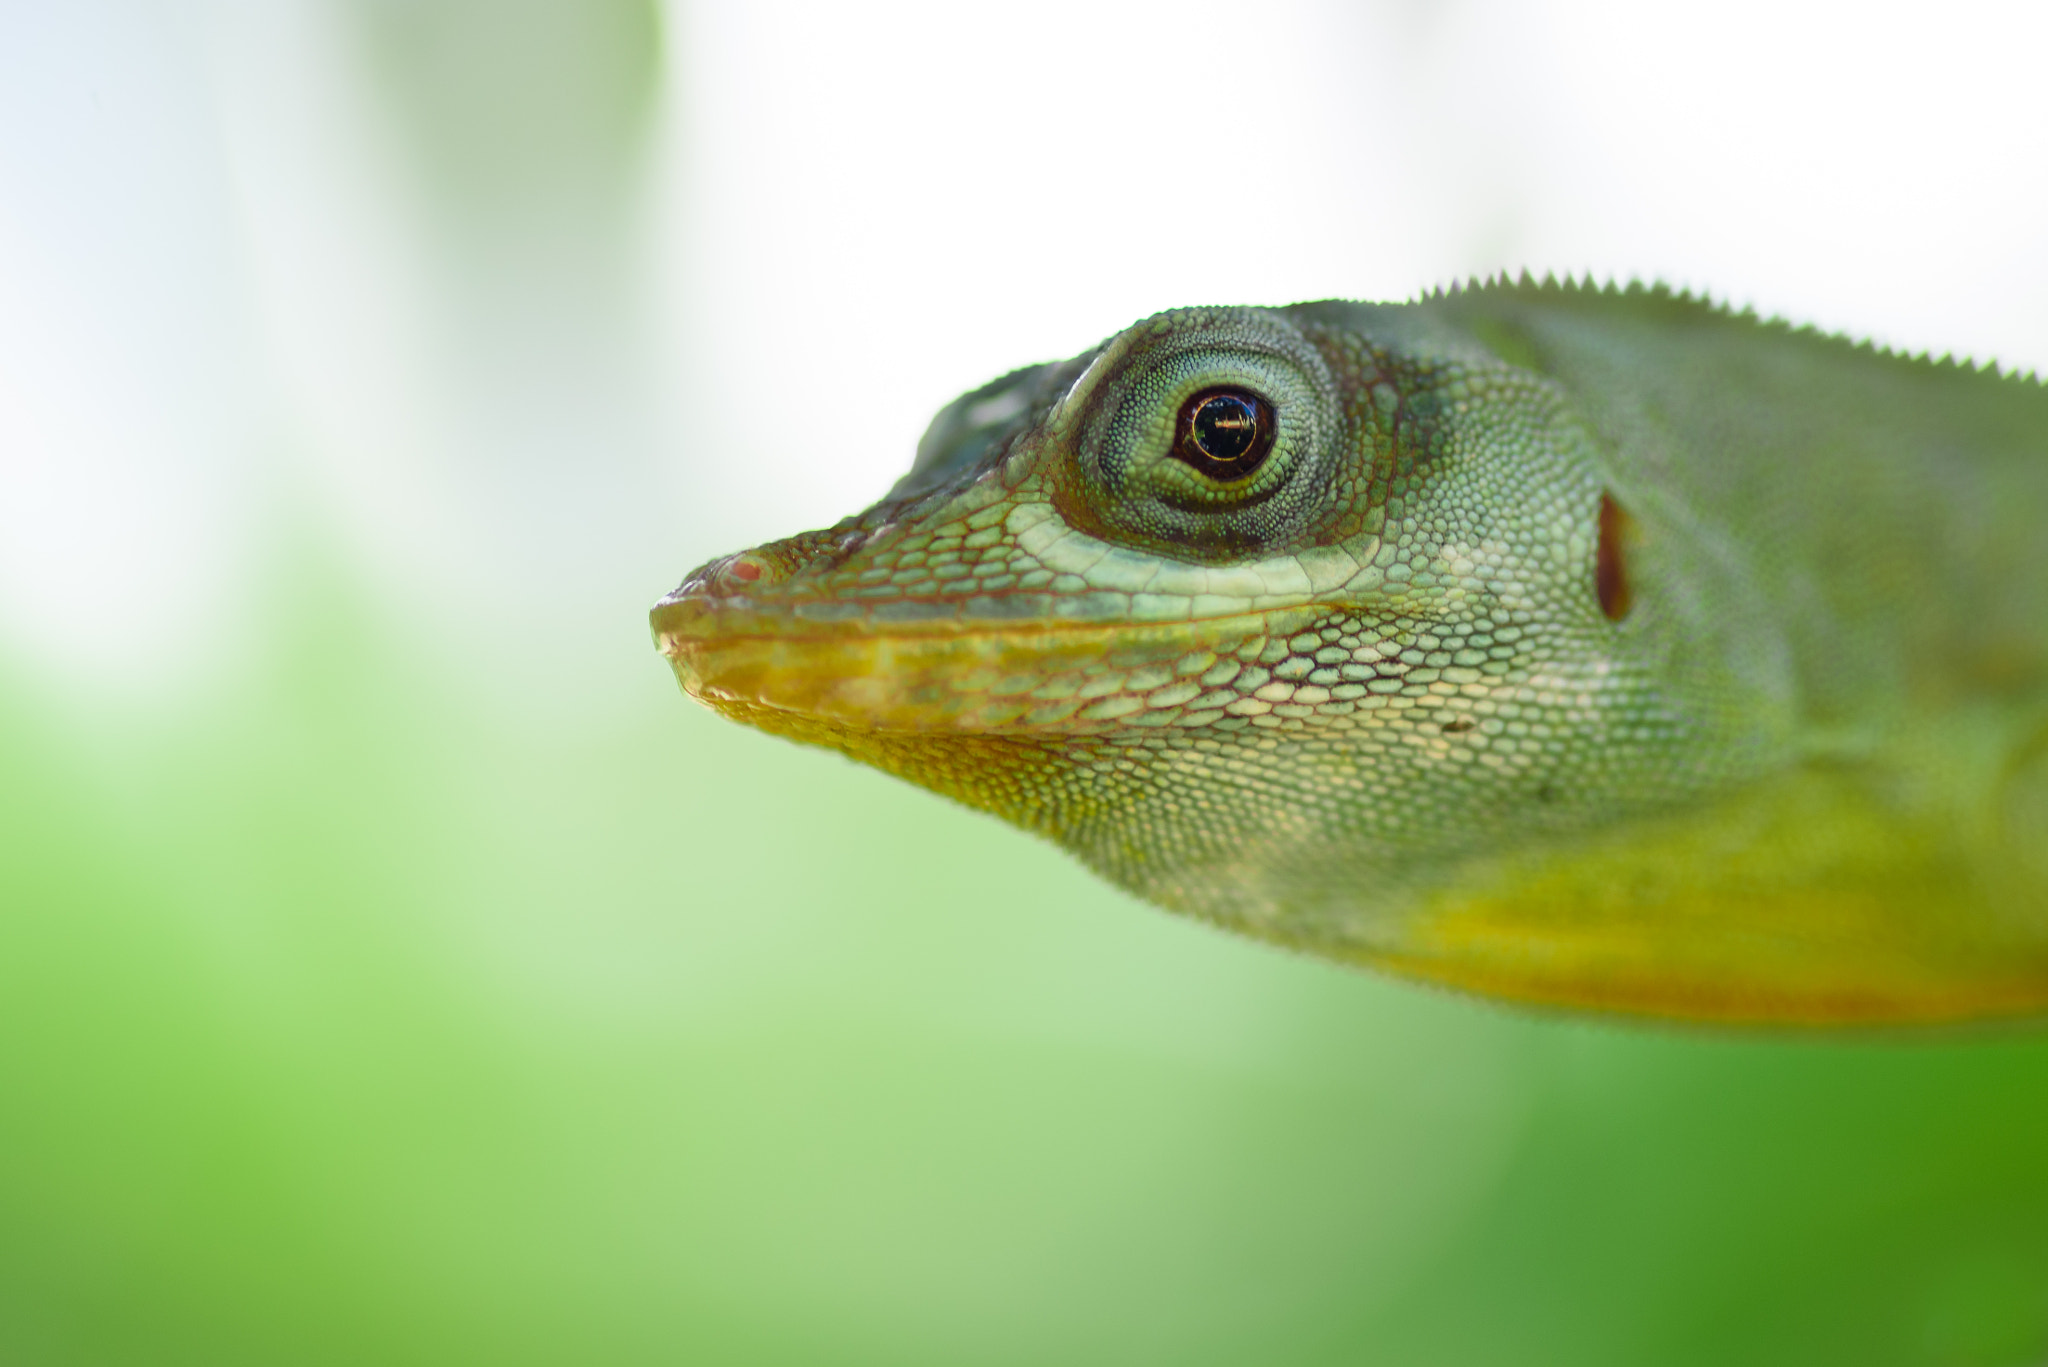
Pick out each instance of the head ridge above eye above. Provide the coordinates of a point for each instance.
(1224, 433)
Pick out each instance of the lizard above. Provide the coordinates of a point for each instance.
(1593, 647)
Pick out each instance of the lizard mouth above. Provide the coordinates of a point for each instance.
(964, 676)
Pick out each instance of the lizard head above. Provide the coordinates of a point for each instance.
(1249, 608)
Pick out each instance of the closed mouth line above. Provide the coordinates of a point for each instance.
(744, 624)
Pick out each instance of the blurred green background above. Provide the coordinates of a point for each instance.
(393, 968)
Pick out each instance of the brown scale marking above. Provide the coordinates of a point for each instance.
(1610, 560)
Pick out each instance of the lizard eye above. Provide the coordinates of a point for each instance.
(1224, 433)
(1207, 435)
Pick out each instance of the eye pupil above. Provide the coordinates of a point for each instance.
(1225, 426)
(1225, 433)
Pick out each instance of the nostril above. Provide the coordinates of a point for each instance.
(737, 573)
(727, 577)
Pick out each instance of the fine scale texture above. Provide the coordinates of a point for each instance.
(1589, 647)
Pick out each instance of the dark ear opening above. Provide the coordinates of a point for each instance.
(1610, 560)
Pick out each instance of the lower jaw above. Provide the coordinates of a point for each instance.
(959, 681)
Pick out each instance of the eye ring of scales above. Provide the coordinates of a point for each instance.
(1589, 647)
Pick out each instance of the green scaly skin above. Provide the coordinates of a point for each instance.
(1369, 700)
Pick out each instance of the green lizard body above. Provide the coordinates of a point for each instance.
(1587, 647)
